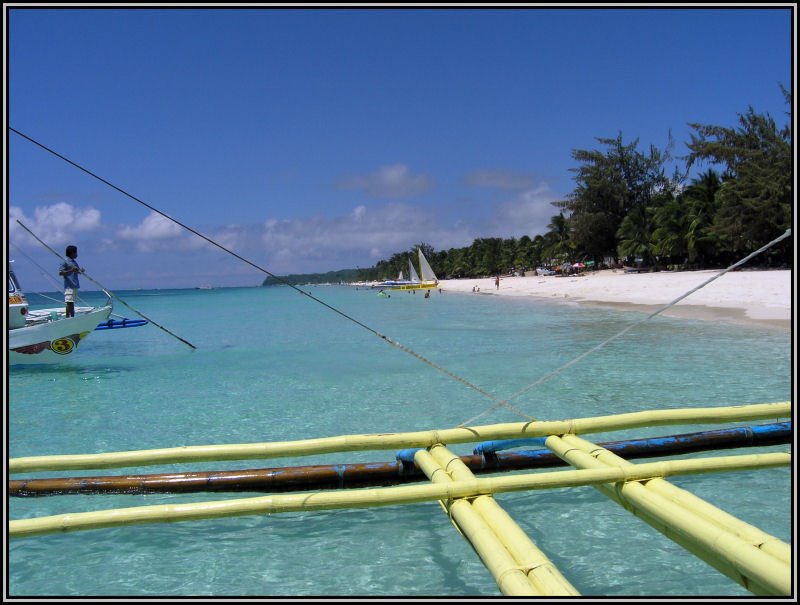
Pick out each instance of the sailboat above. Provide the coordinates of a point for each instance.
(427, 280)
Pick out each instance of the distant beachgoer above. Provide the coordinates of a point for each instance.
(69, 271)
(427, 293)
(497, 281)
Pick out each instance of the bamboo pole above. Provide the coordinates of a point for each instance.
(407, 494)
(757, 571)
(511, 580)
(422, 439)
(751, 534)
(542, 573)
(754, 569)
(755, 536)
(374, 474)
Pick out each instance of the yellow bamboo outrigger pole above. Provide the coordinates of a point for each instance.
(707, 536)
(519, 567)
(389, 441)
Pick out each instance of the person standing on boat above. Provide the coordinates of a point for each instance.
(70, 271)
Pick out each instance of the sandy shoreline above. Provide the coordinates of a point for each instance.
(756, 297)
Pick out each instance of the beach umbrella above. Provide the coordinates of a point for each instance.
(579, 265)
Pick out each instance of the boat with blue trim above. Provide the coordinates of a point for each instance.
(47, 335)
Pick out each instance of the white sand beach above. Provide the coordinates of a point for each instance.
(763, 297)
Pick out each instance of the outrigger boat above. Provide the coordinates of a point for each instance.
(47, 335)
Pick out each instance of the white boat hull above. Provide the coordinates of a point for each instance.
(52, 341)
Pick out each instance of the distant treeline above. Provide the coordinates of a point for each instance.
(627, 209)
(331, 277)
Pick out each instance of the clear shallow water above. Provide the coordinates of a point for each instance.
(272, 365)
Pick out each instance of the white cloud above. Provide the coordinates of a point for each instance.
(154, 233)
(528, 213)
(153, 227)
(365, 235)
(371, 233)
(55, 225)
(395, 181)
(230, 237)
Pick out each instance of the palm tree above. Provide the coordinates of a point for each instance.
(634, 235)
(669, 235)
(559, 246)
(700, 204)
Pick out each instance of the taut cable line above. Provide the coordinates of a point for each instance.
(383, 337)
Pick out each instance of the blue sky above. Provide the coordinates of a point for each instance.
(310, 140)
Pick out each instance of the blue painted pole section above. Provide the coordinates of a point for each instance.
(768, 429)
(407, 455)
(749, 434)
(113, 324)
(490, 447)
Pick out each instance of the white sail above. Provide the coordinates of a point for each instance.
(412, 272)
(400, 276)
(427, 273)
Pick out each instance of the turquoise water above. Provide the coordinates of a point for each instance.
(272, 364)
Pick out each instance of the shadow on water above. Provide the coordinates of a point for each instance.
(65, 369)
